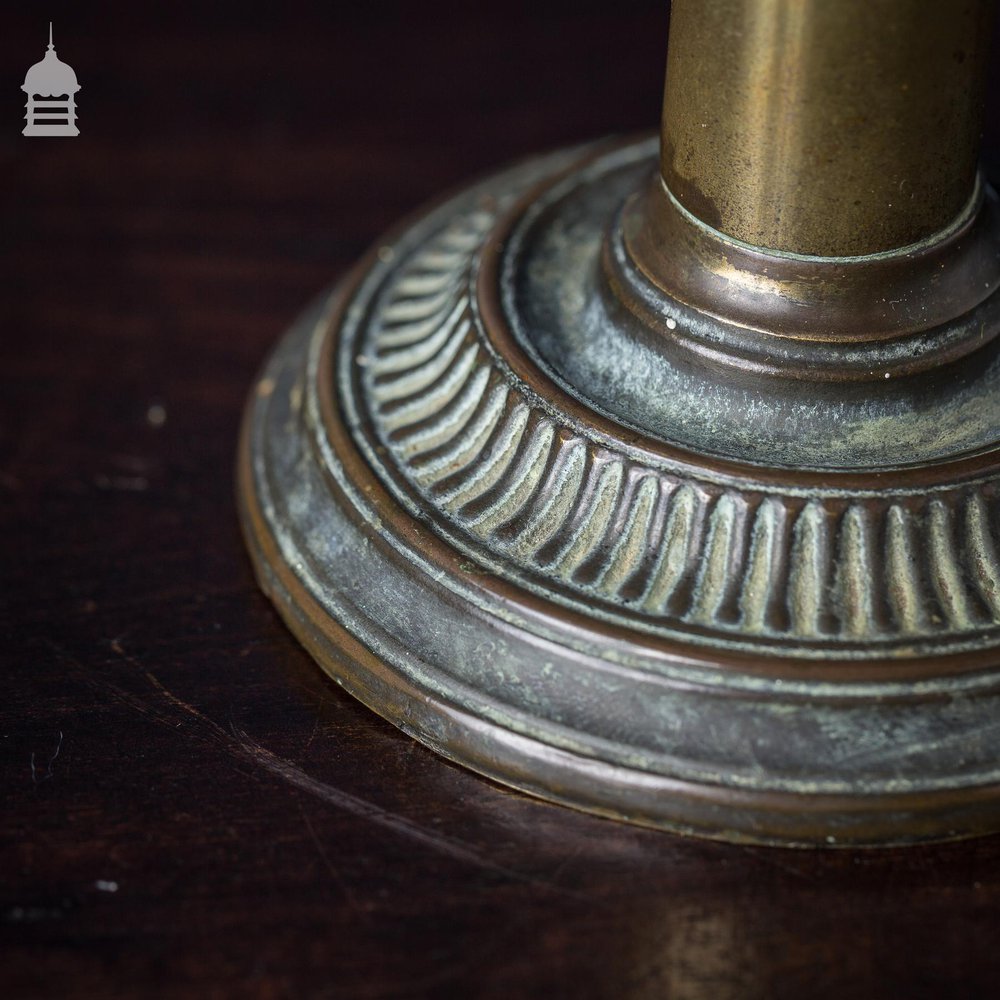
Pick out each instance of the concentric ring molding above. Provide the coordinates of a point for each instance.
(539, 489)
(592, 621)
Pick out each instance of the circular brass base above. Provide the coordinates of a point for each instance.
(531, 509)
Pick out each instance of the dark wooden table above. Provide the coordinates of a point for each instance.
(190, 808)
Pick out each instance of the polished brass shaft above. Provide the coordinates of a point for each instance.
(824, 127)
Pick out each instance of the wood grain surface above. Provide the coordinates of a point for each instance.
(189, 807)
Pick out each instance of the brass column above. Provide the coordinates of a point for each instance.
(824, 127)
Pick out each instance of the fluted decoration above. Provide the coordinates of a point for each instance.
(678, 551)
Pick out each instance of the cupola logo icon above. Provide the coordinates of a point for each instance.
(51, 87)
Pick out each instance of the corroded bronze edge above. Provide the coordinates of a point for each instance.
(757, 815)
(579, 782)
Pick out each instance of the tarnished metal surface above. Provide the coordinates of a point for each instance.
(581, 305)
(472, 435)
(878, 308)
(830, 127)
(677, 498)
(450, 506)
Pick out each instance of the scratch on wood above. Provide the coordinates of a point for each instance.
(334, 874)
(48, 768)
(292, 774)
(240, 745)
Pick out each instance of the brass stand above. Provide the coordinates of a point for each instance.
(668, 487)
